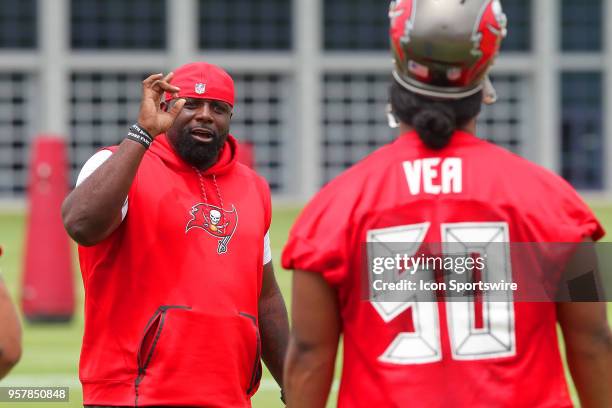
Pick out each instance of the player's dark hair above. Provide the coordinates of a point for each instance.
(434, 120)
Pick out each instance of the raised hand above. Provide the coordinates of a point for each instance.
(152, 117)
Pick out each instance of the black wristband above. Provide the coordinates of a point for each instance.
(138, 134)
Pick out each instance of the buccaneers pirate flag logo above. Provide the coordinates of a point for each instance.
(217, 222)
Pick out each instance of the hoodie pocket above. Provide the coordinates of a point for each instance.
(257, 370)
(149, 341)
(198, 358)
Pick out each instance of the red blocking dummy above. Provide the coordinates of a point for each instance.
(48, 286)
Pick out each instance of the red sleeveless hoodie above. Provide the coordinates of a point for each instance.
(171, 296)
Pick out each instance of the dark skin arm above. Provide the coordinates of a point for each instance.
(92, 211)
(273, 324)
(588, 343)
(586, 331)
(316, 327)
(10, 335)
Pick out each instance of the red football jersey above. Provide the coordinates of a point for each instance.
(435, 354)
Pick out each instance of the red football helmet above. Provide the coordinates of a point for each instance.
(444, 48)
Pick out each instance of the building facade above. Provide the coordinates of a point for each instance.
(311, 79)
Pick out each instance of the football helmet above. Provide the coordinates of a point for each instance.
(445, 48)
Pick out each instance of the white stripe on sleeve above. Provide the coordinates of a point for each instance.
(91, 165)
(267, 254)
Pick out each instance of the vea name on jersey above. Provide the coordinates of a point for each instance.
(434, 175)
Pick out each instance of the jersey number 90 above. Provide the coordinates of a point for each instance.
(496, 336)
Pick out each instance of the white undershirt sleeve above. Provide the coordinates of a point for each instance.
(267, 253)
(91, 165)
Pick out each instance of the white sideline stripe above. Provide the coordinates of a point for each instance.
(65, 380)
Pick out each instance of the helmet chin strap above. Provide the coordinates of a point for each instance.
(391, 118)
(489, 94)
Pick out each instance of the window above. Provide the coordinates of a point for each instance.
(519, 25)
(582, 129)
(356, 25)
(355, 122)
(18, 28)
(17, 92)
(245, 24)
(502, 123)
(261, 116)
(364, 25)
(581, 25)
(102, 107)
(118, 24)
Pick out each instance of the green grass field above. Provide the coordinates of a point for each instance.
(51, 352)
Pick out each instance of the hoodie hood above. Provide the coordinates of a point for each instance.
(226, 161)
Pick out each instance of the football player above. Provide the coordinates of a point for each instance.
(436, 180)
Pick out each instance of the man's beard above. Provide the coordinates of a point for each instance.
(198, 154)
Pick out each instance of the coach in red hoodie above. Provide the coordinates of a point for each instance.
(180, 296)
